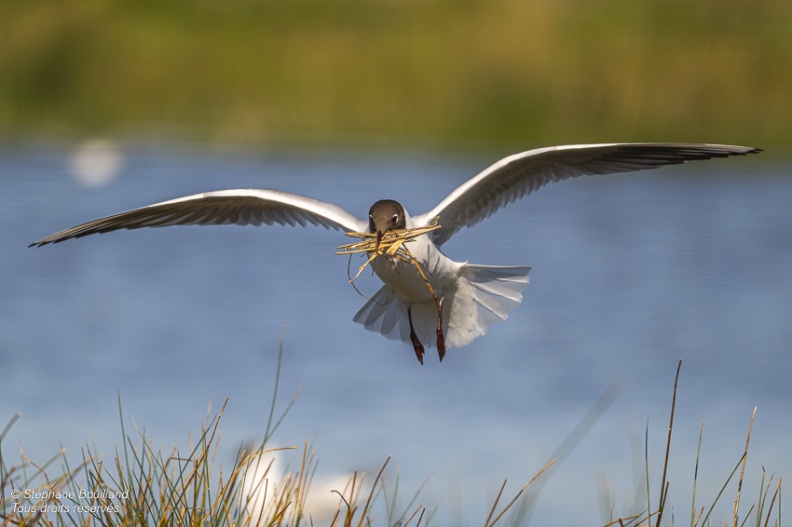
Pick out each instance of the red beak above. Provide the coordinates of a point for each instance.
(379, 239)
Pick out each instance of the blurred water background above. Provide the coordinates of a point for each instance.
(631, 273)
(106, 106)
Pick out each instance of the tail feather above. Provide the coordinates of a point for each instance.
(385, 314)
(496, 290)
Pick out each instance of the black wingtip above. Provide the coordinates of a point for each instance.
(40, 243)
(748, 150)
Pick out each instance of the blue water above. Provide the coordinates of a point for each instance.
(630, 274)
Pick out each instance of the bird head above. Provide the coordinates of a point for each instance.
(386, 215)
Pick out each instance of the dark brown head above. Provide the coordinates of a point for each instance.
(386, 215)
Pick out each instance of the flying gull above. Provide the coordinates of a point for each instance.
(471, 297)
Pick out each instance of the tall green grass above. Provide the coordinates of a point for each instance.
(484, 73)
(143, 486)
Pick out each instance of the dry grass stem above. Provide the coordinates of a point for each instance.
(391, 243)
(489, 522)
(742, 468)
(665, 484)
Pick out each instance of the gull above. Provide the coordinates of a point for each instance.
(471, 297)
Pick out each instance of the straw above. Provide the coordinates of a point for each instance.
(390, 245)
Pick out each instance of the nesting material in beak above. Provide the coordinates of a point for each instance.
(388, 243)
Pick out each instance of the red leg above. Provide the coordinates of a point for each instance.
(417, 346)
(441, 348)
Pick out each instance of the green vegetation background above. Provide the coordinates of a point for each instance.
(380, 73)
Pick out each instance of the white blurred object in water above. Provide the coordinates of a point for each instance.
(265, 481)
(96, 162)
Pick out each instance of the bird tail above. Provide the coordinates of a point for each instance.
(484, 294)
(386, 314)
(495, 290)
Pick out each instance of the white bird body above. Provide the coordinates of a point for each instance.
(477, 295)
(404, 278)
(472, 296)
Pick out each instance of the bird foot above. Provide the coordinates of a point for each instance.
(417, 346)
(441, 348)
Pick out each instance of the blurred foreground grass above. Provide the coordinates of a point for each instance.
(409, 72)
(141, 486)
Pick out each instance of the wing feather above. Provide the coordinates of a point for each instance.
(518, 175)
(224, 207)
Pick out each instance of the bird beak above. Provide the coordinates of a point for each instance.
(379, 239)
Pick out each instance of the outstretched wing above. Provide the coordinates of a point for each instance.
(223, 207)
(515, 176)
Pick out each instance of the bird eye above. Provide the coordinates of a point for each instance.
(395, 218)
